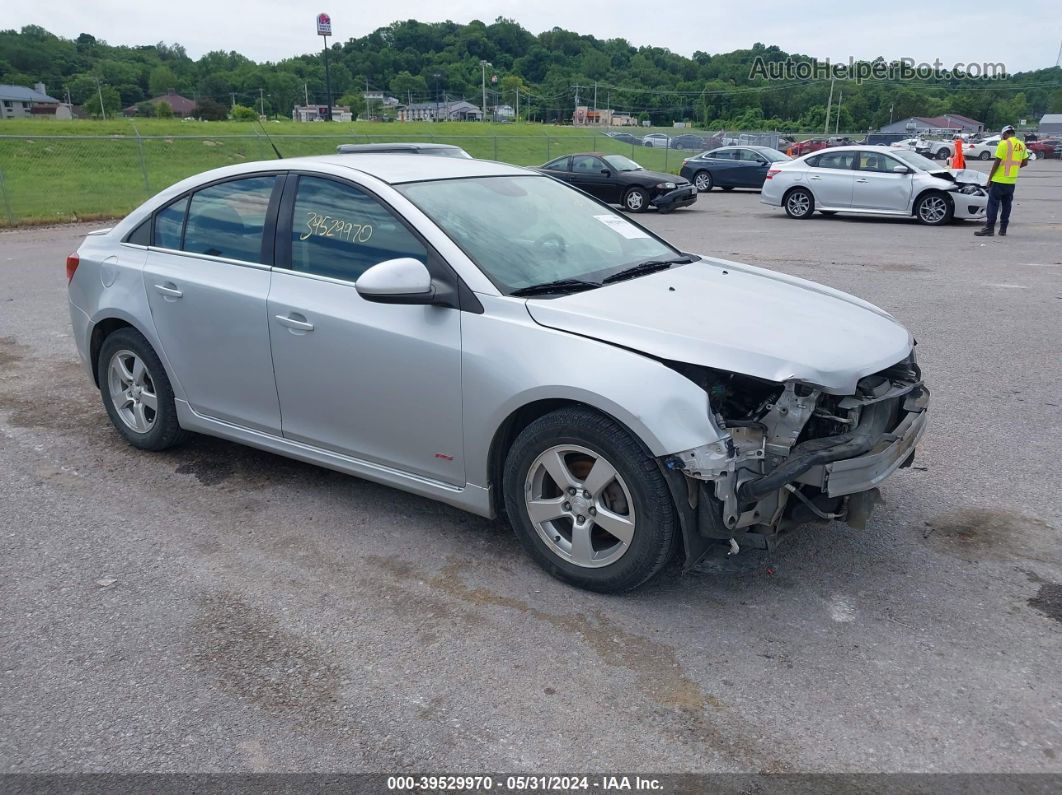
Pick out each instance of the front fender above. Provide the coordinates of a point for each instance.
(665, 410)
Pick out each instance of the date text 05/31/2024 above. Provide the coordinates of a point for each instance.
(529, 783)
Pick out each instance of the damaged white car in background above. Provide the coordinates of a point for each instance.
(875, 180)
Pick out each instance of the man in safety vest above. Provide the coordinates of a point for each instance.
(1011, 157)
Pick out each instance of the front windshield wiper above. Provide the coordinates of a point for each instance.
(558, 286)
(642, 268)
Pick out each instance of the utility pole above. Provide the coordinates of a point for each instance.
(595, 98)
(232, 95)
(306, 93)
(829, 104)
(99, 93)
(436, 75)
(483, 73)
(368, 100)
(837, 124)
(261, 101)
(518, 103)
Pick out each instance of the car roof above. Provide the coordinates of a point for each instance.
(393, 147)
(396, 168)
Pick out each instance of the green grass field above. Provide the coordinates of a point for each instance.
(62, 171)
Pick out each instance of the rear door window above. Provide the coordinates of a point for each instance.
(228, 219)
(838, 160)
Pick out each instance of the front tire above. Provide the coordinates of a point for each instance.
(588, 503)
(984, 156)
(934, 209)
(943, 154)
(136, 392)
(799, 203)
(636, 200)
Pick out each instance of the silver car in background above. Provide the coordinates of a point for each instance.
(489, 337)
(875, 180)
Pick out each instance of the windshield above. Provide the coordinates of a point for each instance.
(621, 163)
(528, 230)
(915, 160)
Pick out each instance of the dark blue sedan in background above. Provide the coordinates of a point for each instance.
(730, 167)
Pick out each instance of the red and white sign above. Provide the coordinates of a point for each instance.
(324, 25)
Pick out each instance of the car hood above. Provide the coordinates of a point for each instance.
(961, 176)
(737, 318)
(651, 177)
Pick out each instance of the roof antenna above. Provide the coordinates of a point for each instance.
(263, 129)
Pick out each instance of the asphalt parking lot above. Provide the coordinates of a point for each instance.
(216, 608)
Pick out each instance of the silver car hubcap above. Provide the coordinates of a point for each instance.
(580, 506)
(933, 210)
(799, 204)
(132, 391)
(634, 201)
(702, 182)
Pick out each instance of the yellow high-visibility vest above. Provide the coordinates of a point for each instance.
(1011, 152)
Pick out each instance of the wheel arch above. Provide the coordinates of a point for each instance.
(931, 189)
(104, 326)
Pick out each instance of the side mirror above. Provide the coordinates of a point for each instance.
(397, 281)
(606, 172)
(901, 170)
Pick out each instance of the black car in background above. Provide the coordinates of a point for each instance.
(688, 141)
(619, 180)
(730, 167)
(626, 138)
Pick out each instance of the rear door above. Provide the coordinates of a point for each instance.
(831, 177)
(878, 187)
(725, 167)
(207, 277)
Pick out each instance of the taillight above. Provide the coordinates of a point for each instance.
(772, 171)
(71, 265)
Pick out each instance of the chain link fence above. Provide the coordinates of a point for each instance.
(51, 179)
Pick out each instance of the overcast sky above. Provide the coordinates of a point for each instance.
(1022, 35)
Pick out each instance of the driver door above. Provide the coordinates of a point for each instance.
(379, 382)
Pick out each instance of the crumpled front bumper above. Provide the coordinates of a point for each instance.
(864, 472)
(970, 206)
(680, 197)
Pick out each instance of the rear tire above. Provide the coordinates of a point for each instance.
(629, 518)
(136, 392)
(799, 203)
(703, 181)
(984, 156)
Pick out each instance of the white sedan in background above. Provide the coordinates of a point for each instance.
(875, 180)
(983, 150)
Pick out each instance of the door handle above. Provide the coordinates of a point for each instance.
(862, 180)
(815, 177)
(169, 289)
(294, 323)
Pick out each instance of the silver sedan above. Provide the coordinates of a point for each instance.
(488, 337)
(875, 180)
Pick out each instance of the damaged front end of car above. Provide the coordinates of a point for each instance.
(792, 453)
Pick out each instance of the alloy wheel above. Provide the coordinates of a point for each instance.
(580, 506)
(799, 203)
(703, 181)
(634, 200)
(932, 210)
(132, 391)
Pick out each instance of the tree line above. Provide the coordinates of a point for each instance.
(547, 74)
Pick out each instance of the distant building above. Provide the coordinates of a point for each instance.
(320, 112)
(1051, 123)
(451, 110)
(181, 106)
(585, 116)
(504, 112)
(378, 98)
(923, 125)
(19, 102)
